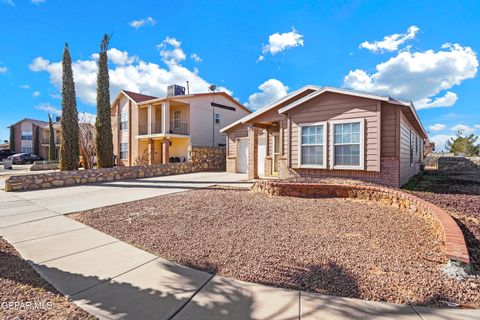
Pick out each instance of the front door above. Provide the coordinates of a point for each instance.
(276, 152)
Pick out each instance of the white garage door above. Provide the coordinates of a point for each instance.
(242, 158)
(262, 153)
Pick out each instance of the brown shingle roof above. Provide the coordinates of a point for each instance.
(138, 97)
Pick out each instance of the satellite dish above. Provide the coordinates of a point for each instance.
(212, 88)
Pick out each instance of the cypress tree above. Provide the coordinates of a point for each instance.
(11, 142)
(69, 147)
(36, 141)
(103, 123)
(52, 148)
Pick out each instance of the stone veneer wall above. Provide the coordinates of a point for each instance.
(201, 159)
(442, 222)
(45, 165)
(459, 165)
(207, 158)
(389, 174)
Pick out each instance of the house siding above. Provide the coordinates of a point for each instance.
(407, 171)
(330, 107)
(203, 130)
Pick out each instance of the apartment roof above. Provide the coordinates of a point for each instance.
(138, 97)
(39, 123)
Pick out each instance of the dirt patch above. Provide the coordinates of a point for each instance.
(20, 283)
(334, 246)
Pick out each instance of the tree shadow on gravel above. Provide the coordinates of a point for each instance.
(441, 183)
(473, 245)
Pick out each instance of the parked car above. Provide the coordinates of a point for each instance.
(5, 153)
(23, 158)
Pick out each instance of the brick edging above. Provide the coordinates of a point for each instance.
(445, 226)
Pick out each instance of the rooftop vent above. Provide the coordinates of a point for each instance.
(175, 90)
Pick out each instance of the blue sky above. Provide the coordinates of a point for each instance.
(425, 51)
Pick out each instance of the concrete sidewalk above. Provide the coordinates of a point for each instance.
(113, 280)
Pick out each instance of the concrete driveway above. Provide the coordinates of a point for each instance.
(84, 197)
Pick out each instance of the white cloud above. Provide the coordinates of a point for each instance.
(419, 76)
(271, 90)
(148, 21)
(170, 51)
(462, 129)
(24, 86)
(38, 1)
(195, 57)
(118, 57)
(477, 126)
(36, 93)
(437, 127)
(49, 108)
(3, 70)
(279, 42)
(440, 140)
(391, 42)
(447, 100)
(135, 75)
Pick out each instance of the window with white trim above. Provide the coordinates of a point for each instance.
(312, 146)
(124, 151)
(217, 118)
(411, 148)
(347, 140)
(26, 136)
(124, 121)
(26, 150)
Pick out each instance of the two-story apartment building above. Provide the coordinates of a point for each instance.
(24, 133)
(152, 130)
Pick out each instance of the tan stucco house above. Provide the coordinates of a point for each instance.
(152, 130)
(329, 132)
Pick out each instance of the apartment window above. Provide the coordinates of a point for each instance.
(124, 120)
(217, 118)
(348, 145)
(176, 119)
(123, 151)
(26, 136)
(27, 150)
(312, 145)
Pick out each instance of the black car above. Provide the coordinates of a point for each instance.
(23, 158)
(5, 153)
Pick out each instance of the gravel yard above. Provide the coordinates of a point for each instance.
(334, 246)
(20, 283)
(461, 199)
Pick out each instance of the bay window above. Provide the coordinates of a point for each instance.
(312, 148)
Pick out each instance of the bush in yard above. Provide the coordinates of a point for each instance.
(69, 147)
(103, 123)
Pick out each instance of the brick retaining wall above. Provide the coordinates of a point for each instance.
(443, 223)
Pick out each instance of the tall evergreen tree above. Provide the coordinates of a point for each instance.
(103, 123)
(11, 141)
(36, 141)
(52, 148)
(69, 147)
(467, 146)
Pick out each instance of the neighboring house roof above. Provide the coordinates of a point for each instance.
(39, 123)
(320, 90)
(138, 97)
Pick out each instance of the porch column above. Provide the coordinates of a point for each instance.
(151, 151)
(281, 137)
(149, 119)
(166, 117)
(165, 151)
(267, 151)
(252, 153)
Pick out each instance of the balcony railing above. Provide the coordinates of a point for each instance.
(47, 140)
(142, 129)
(179, 128)
(156, 127)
